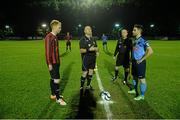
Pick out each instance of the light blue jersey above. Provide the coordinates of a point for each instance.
(139, 48)
(104, 38)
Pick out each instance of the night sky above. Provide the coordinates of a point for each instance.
(24, 16)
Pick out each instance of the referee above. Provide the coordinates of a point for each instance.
(122, 55)
(88, 50)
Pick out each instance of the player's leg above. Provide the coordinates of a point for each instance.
(66, 46)
(84, 71)
(106, 46)
(141, 76)
(143, 86)
(89, 77)
(70, 46)
(126, 73)
(56, 88)
(56, 80)
(91, 67)
(83, 78)
(53, 96)
(59, 98)
(135, 84)
(103, 46)
(135, 79)
(116, 72)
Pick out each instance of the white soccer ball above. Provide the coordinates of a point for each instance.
(105, 95)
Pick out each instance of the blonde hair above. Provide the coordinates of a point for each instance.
(54, 23)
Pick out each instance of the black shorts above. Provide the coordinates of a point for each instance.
(54, 73)
(104, 43)
(139, 70)
(68, 43)
(122, 61)
(88, 62)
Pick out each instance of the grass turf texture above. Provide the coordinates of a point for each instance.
(24, 87)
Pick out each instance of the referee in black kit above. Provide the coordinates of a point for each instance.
(122, 55)
(88, 50)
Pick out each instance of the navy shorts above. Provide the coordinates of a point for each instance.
(122, 61)
(104, 43)
(68, 43)
(139, 70)
(54, 73)
(88, 62)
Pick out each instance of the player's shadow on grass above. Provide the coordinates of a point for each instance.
(86, 106)
(65, 77)
(64, 54)
(107, 52)
(51, 108)
(141, 109)
(109, 66)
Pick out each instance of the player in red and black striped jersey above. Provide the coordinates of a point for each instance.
(53, 61)
(52, 49)
(68, 39)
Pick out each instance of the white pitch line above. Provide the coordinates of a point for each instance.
(109, 102)
(105, 103)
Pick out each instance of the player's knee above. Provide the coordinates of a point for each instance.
(143, 80)
(90, 72)
(116, 68)
(56, 81)
(84, 73)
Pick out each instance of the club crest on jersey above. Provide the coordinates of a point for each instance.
(89, 45)
(147, 44)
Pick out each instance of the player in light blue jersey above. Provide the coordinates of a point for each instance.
(140, 52)
(104, 40)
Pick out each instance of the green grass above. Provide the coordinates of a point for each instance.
(24, 87)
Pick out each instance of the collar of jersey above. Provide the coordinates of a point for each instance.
(53, 33)
(87, 38)
(138, 39)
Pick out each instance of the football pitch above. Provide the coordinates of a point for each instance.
(25, 91)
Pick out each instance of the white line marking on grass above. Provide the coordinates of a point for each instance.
(102, 102)
(105, 103)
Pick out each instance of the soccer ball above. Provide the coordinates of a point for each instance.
(105, 95)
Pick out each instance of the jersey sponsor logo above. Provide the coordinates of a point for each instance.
(135, 48)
